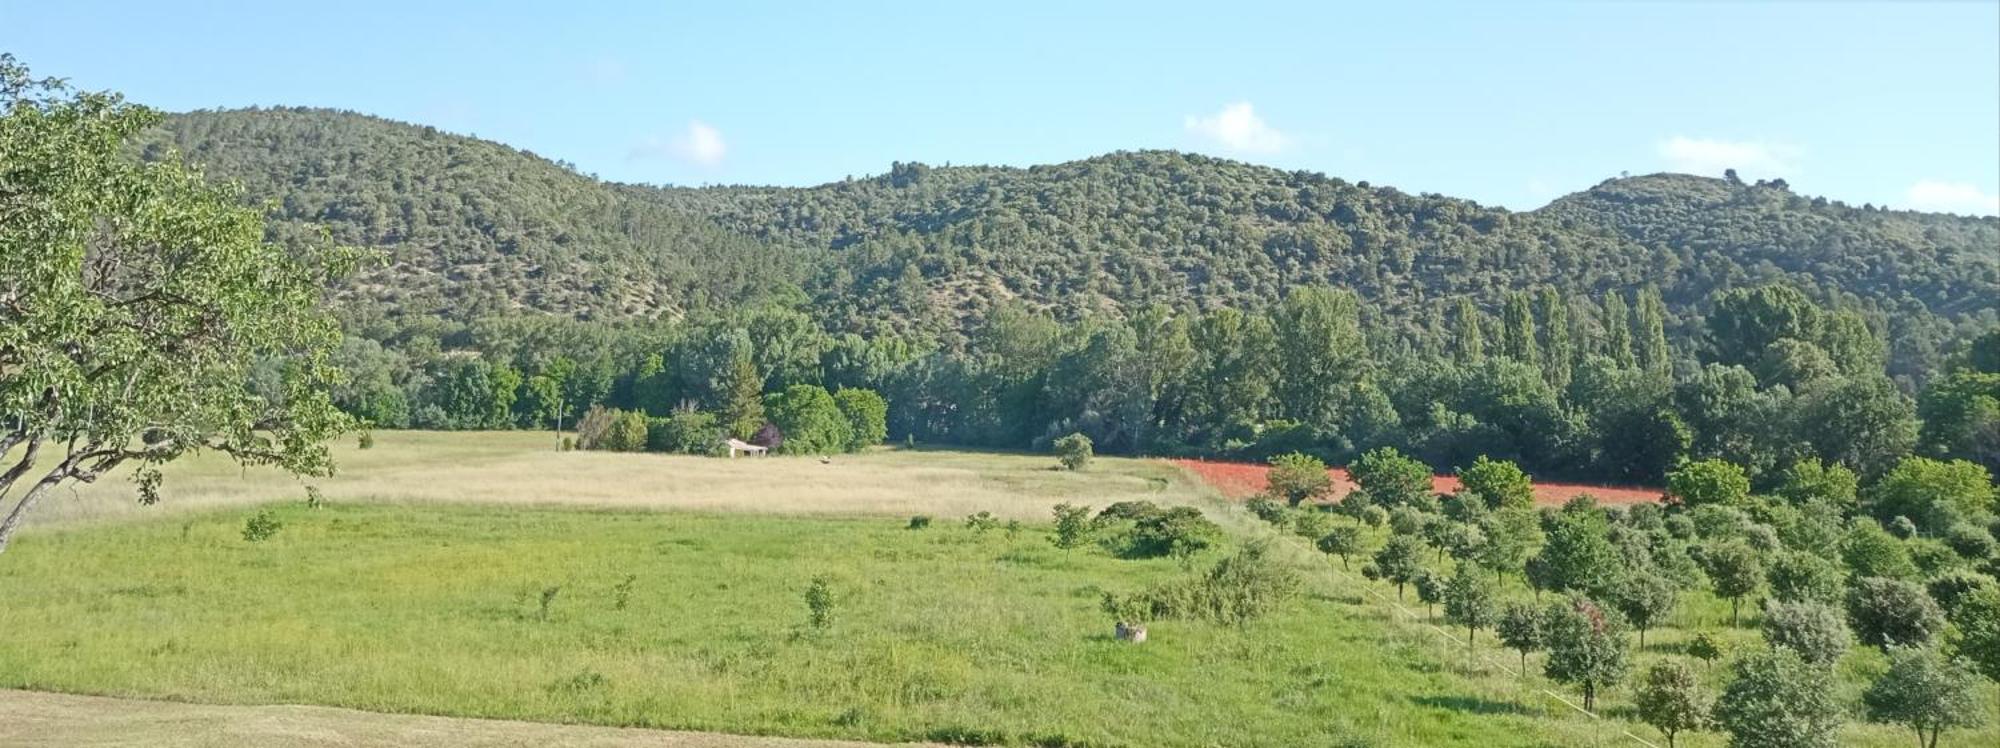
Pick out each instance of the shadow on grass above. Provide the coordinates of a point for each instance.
(1471, 705)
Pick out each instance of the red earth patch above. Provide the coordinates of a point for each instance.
(1237, 480)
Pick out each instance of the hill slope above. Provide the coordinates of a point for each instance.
(474, 228)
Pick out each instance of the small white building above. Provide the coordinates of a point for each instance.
(739, 446)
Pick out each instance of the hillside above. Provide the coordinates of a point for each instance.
(474, 228)
(470, 227)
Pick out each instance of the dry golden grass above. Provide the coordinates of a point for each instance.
(35, 720)
(524, 468)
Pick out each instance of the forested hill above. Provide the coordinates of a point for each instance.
(468, 227)
(476, 228)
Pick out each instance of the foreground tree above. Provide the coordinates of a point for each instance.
(1391, 479)
(1671, 700)
(1498, 483)
(1342, 541)
(1777, 700)
(1399, 562)
(1298, 478)
(135, 302)
(1468, 602)
(1520, 628)
(1925, 692)
(1587, 647)
(1646, 598)
(1735, 571)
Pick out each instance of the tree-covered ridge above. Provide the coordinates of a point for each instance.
(477, 227)
(469, 227)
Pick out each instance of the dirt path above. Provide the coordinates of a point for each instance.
(30, 719)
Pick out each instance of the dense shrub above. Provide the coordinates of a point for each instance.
(867, 416)
(1812, 630)
(810, 420)
(1073, 526)
(1236, 590)
(685, 432)
(260, 527)
(1073, 451)
(1887, 612)
(1181, 531)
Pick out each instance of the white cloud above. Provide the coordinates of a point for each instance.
(1952, 197)
(1710, 157)
(700, 144)
(1237, 127)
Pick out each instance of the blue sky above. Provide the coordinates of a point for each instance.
(1508, 104)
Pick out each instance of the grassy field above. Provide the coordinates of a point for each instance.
(33, 719)
(523, 468)
(419, 589)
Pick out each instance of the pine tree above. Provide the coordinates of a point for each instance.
(744, 411)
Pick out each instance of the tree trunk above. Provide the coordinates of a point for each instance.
(14, 518)
(1732, 612)
(1589, 697)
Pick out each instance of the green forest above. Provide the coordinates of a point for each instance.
(1157, 302)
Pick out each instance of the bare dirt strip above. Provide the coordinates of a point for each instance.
(1239, 480)
(31, 719)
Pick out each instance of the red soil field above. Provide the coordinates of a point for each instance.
(1238, 480)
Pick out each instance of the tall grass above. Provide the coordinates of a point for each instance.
(942, 634)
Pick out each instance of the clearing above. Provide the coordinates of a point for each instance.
(674, 600)
(1238, 480)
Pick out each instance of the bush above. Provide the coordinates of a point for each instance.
(1132, 511)
(920, 522)
(1238, 589)
(1181, 531)
(810, 420)
(819, 603)
(689, 432)
(1708, 483)
(611, 429)
(1969, 541)
(1269, 511)
(591, 428)
(1072, 526)
(982, 521)
(1811, 630)
(867, 417)
(1311, 524)
(366, 440)
(1074, 451)
(1297, 478)
(1887, 612)
(1775, 698)
(1798, 576)
(1950, 588)
(260, 527)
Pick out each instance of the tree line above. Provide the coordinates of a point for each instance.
(1566, 386)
